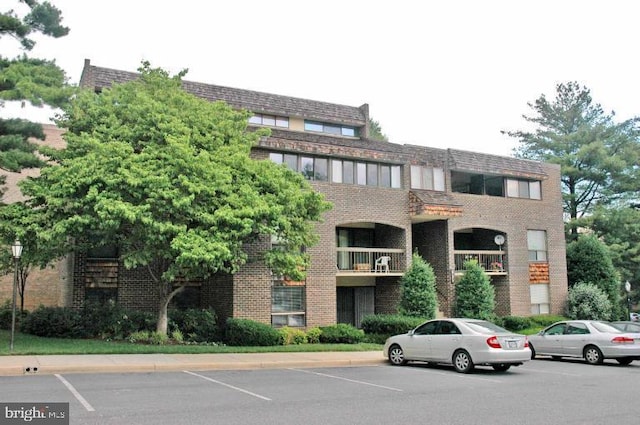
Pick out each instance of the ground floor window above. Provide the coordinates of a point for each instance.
(288, 303)
(539, 298)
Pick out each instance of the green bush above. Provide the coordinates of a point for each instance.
(146, 337)
(418, 290)
(587, 301)
(516, 323)
(56, 322)
(341, 333)
(6, 311)
(111, 321)
(292, 336)
(244, 332)
(475, 296)
(197, 325)
(545, 320)
(313, 335)
(389, 324)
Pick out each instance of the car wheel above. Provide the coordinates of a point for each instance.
(593, 355)
(396, 355)
(625, 361)
(462, 361)
(501, 367)
(533, 351)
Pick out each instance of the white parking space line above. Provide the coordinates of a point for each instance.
(348, 380)
(76, 394)
(550, 372)
(227, 385)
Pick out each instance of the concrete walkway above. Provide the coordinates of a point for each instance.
(106, 363)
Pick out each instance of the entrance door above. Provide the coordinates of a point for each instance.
(353, 303)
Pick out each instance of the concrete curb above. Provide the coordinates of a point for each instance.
(145, 363)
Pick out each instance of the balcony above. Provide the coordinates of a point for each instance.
(493, 262)
(352, 261)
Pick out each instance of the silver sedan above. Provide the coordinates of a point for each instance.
(592, 340)
(463, 343)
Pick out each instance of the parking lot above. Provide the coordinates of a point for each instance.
(541, 391)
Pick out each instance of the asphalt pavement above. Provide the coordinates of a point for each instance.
(113, 363)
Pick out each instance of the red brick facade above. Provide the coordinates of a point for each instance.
(436, 224)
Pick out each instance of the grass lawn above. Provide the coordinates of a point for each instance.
(25, 344)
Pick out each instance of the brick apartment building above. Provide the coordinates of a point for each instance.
(389, 200)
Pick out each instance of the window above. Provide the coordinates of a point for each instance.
(523, 189)
(269, 120)
(539, 299)
(537, 245)
(341, 171)
(427, 178)
(287, 305)
(336, 129)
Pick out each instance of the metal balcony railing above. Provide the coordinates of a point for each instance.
(368, 260)
(494, 262)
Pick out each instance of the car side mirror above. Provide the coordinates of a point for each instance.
(411, 332)
(541, 333)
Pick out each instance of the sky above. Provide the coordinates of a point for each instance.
(444, 74)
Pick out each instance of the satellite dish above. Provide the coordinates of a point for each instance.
(499, 240)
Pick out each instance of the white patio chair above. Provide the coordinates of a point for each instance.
(382, 263)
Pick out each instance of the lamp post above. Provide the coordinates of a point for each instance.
(16, 250)
(627, 287)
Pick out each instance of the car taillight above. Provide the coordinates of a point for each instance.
(493, 342)
(526, 342)
(622, 340)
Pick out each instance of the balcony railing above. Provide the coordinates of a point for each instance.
(368, 260)
(493, 262)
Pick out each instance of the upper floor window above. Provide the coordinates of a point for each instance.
(523, 189)
(365, 173)
(537, 245)
(320, 127)
(269, 120)
(312, 168)
(492, 185)
(341, 171)
(427, 178)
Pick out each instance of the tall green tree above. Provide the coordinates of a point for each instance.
(167, 177)
(29, 80)
(418, 297)
(619, 229)
(475, 296)
(375, 131)
(598, 156)
(589, 261)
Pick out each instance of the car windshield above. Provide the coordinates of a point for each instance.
(606, 327)
(486, 327)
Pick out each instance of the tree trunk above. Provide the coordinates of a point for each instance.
(163, 317)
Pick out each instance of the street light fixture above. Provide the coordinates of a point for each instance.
(16, 250)
(627, 287)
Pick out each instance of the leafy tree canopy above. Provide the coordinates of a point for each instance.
(619, 229)
(589, 261)
(598, 157)
(167, 178)
(42, 17)
(375, 131)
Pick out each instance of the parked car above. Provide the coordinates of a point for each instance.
(463, 343)
(627, 326)
(592, 340)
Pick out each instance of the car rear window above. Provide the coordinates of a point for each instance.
(605, 327)
(486, 327)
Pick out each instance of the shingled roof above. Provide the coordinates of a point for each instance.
(493, 164)
(258, 102)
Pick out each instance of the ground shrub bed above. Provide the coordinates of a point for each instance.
(200, 327)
